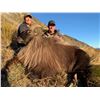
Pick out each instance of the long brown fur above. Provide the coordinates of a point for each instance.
(45, 57)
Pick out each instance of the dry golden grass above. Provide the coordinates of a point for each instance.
(16, 74)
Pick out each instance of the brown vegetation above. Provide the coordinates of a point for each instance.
(16, 76)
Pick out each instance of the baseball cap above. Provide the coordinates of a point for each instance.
(51, 22)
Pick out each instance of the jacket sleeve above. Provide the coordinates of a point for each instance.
(24, 33)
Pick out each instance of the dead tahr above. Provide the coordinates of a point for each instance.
(45, 57)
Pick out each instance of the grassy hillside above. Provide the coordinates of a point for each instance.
(16, 76)
(93, 53)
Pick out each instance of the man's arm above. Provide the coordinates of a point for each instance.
(24, 33)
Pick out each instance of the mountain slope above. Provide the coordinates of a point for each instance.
(93, 53)
(9, 25)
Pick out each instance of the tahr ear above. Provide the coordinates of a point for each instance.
(38, 31)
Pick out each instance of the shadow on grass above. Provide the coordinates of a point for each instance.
(4, 78)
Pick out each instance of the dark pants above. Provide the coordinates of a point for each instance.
(18, 47)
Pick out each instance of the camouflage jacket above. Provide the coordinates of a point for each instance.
(56, 35)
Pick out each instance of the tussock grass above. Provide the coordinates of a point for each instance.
(16, 75)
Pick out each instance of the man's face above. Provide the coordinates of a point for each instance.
(28, 20)
(52, 28)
